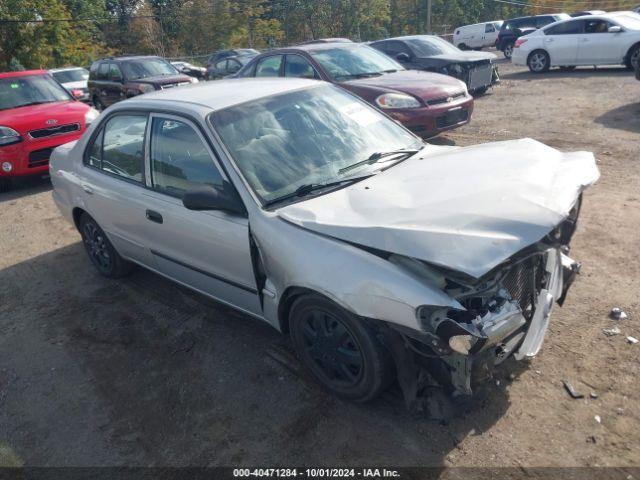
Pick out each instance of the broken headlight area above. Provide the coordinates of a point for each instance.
(505, 313)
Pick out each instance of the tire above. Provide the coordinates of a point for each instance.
(462, 46)
(568, 68)
(97, 104)
(5, 184)
(100, 250)
(538, 61)
(480, 91)
(339, 349)
(508, 50)
(633, 57)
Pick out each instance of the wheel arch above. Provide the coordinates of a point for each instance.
(627, 56)
(290, 295)
(76, 213)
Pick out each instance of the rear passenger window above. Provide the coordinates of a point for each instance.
(103, 71)
(567, 28)
(180, 159)
(269, 67)
(118, 148)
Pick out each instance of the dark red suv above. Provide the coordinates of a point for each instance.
(426, 103)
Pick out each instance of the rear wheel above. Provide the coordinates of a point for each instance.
(339, 349)
(538, 61)
(463, 46)
(100, 250)
(508, 50)
(97, 103)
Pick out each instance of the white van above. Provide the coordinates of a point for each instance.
(478, 35)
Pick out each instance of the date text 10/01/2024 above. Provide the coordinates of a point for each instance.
(373, 473)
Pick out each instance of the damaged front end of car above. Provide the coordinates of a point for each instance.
(504, 313)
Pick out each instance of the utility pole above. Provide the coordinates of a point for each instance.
(429, 16)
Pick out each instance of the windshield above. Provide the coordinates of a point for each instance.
(343, 63)
(149, 67)
(68, 76)
(30, 90)
(283, 142)
(428, 46)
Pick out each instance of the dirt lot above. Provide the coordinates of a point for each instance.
(141, 372)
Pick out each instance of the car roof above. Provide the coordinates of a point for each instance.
(227, 93)
(127, 58)
(65, 69)
(23, 73)
(408, 37)
(311, 47)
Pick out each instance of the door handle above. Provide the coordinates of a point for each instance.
(154, 216)
(87, 189)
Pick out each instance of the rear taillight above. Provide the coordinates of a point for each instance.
(519, 42)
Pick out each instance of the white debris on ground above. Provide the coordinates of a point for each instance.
(617, 313)
(632, 340)
(610, 332)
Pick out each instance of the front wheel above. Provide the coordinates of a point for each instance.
(538, 61)
(339, 349)
(633, 57)
(97, 104)
(508, 50)
(100, 250)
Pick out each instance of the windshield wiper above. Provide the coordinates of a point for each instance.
(308, 188)
(375, 157)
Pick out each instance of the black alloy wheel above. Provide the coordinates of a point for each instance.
(339, 349)
(100, 250)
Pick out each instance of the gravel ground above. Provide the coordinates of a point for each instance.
(142, 372)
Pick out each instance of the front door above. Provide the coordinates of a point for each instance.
(597, 45)
(206, 250)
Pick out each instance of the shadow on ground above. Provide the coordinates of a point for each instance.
(580, 72)
(143, 372)
(626, 117)
(24, 186)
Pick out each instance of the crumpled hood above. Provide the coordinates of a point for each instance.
(467, 209)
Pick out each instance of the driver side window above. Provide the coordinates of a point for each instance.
(180, 160)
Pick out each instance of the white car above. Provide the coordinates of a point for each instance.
(609, 39)
(478, 35)
(74, 80)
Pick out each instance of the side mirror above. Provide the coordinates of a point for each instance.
(77, 94)
(615, 29)
(213, 198)
(402, 57)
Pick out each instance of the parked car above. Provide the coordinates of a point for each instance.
(433, 54)
(587, 12)
(36, 115)
(189, 69)
(299, 204)
(426, 103)
(513, 29)
(478, 35)
(117, 78)
(228, 66)
(74, 80)
(235, 52)
(609, 39)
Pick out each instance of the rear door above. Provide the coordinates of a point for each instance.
(597, 45)
(206, 250)
(113, 183)
(561, 42)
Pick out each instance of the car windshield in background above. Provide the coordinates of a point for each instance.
(430, 46)
(287, 141)
(355, 62)
(135, 69)
(30, 90)
(68, 76)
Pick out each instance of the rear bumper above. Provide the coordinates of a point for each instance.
(519, 57)
(430, 121)
(31, 156)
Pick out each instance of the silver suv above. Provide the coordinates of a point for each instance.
(301, 205)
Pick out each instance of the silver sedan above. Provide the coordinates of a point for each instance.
(294, 201)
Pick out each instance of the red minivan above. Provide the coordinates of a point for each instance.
(36, 115)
